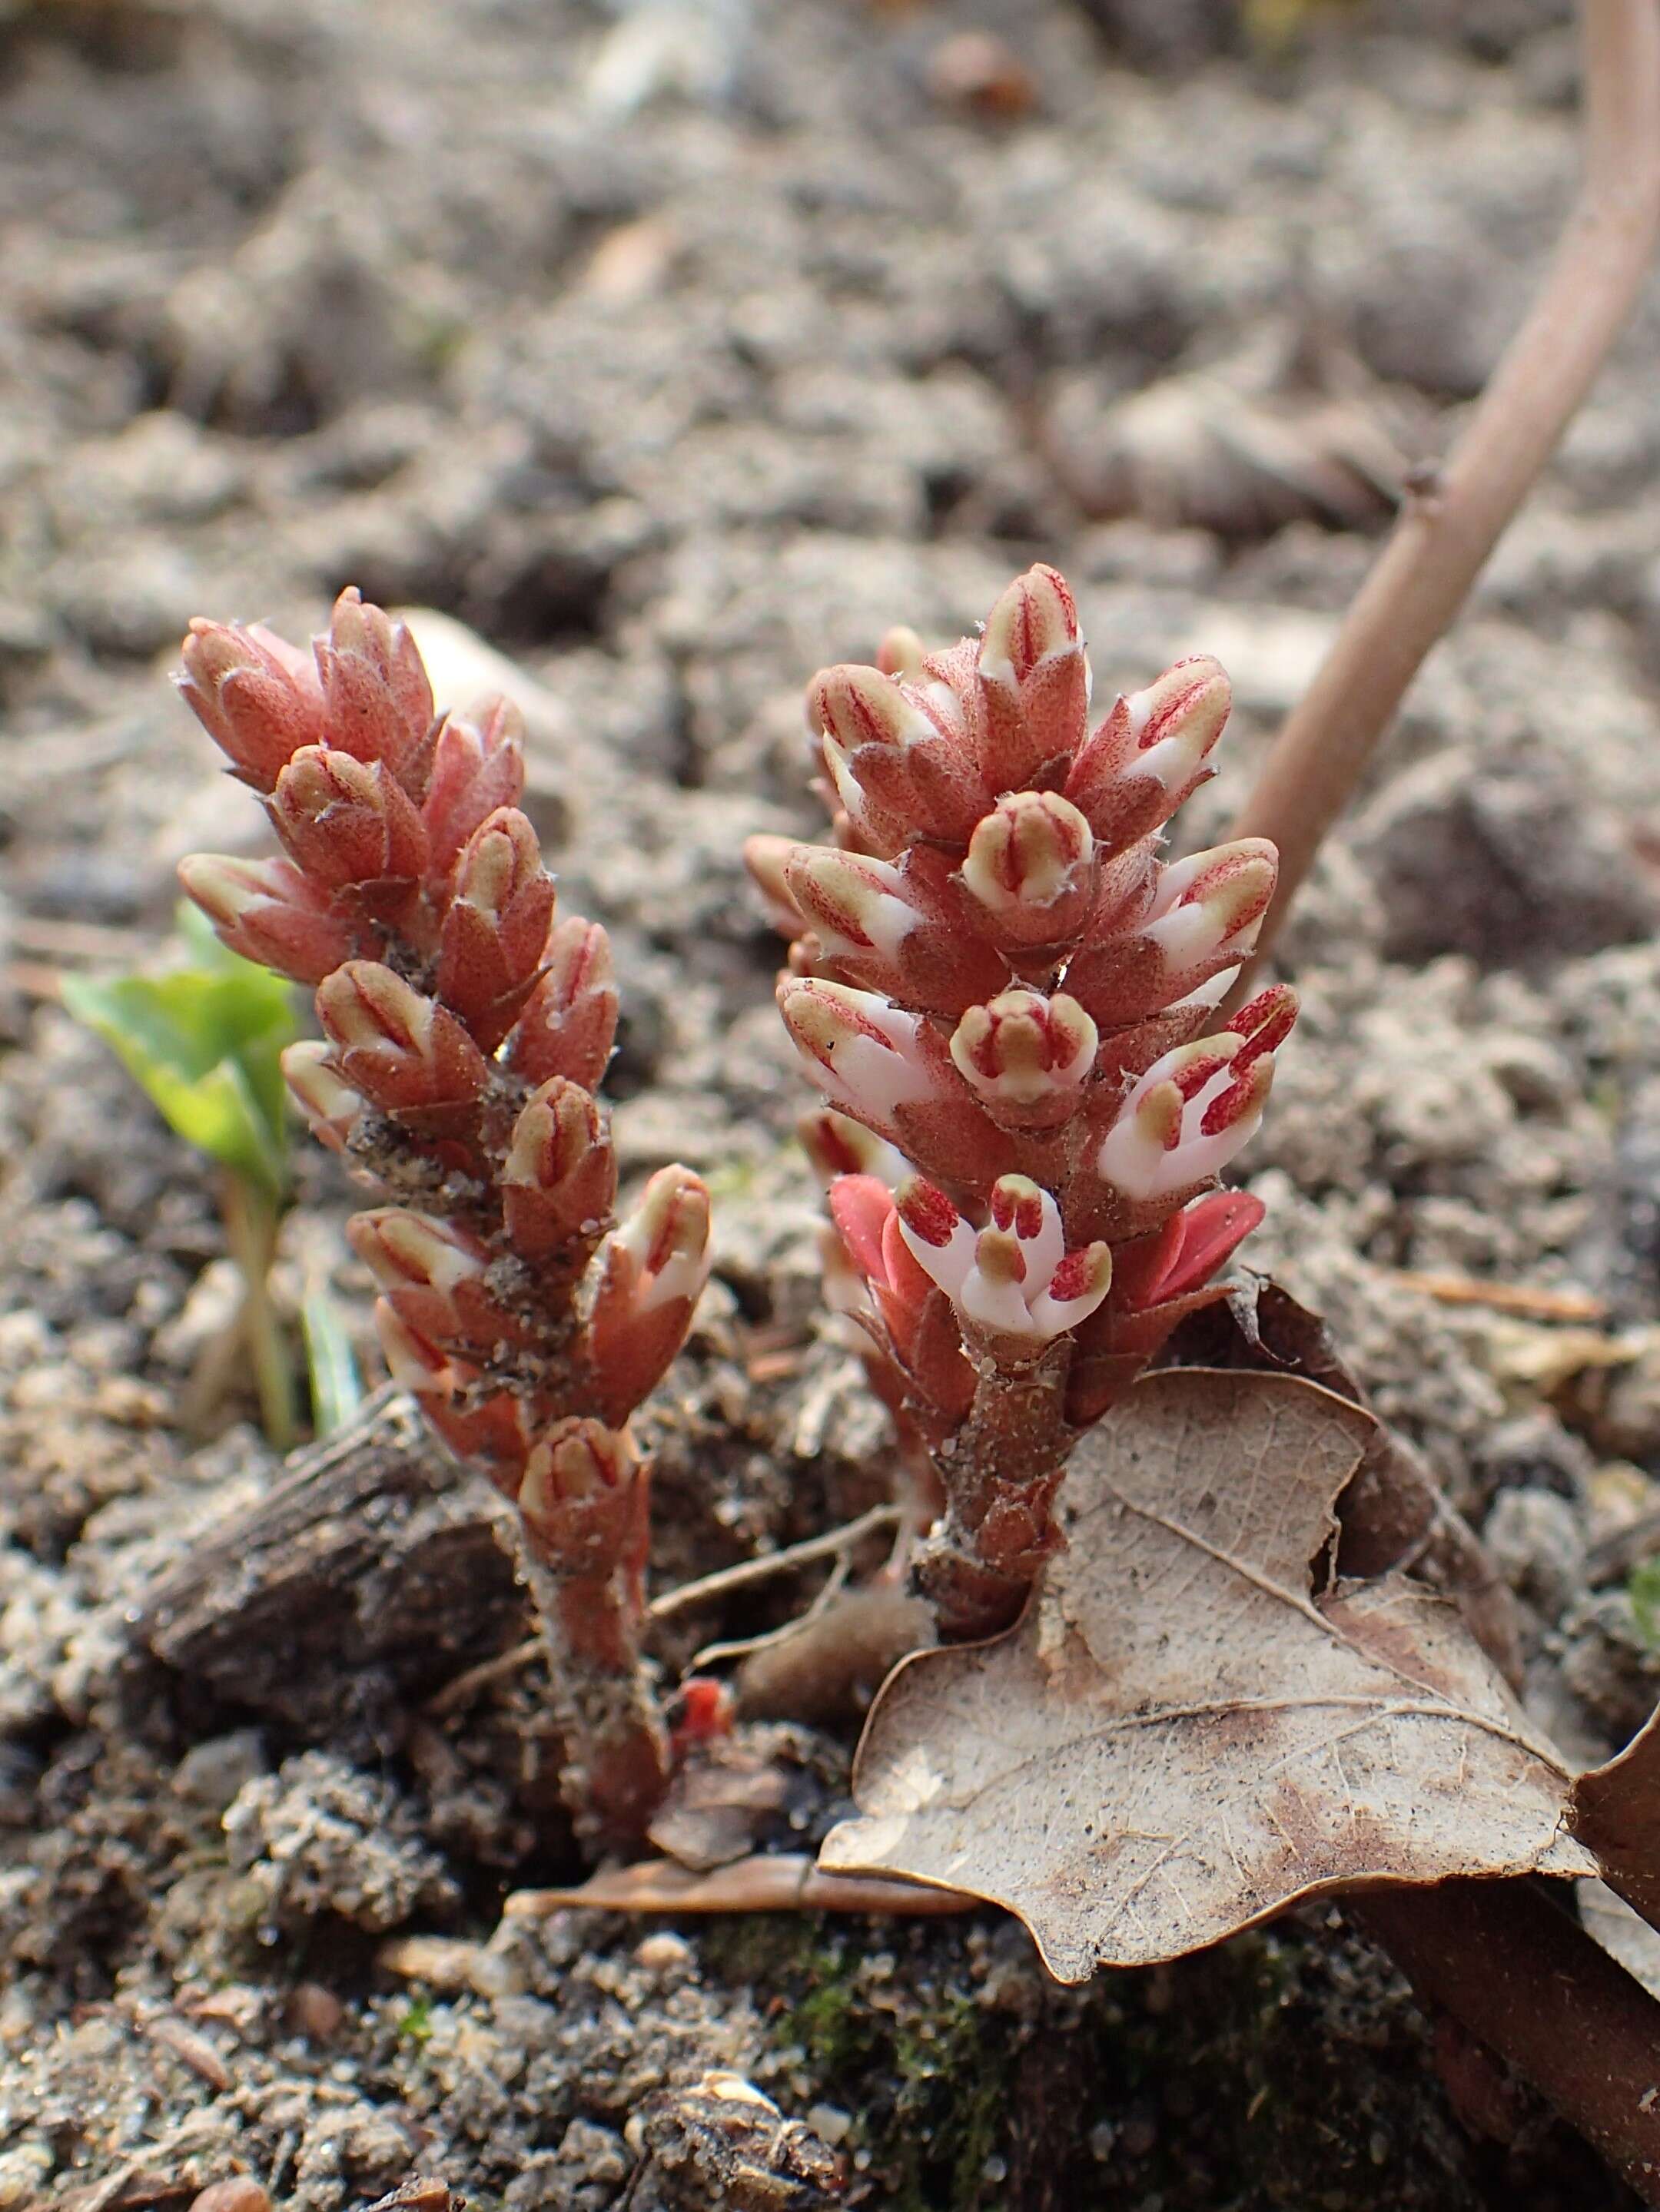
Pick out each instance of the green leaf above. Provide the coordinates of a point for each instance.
(1643, 1591)
(205, 1041)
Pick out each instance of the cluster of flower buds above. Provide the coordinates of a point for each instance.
(464, 1029)
(1012, 1006)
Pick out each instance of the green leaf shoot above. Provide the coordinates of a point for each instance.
(203, 1039)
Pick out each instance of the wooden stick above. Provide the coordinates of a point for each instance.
(1442, 540)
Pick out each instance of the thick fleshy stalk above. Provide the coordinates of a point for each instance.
(465, 1030)
(998, 979)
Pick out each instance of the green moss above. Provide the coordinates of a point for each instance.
(953, 2062)
(923, 2071)
(1282, 2072)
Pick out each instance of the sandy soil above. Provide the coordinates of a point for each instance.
(675, 351)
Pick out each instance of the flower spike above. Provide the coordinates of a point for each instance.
(999, 978)
(465, 1031)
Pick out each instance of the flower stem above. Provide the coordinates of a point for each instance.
(251, 1219)
(1443, 538)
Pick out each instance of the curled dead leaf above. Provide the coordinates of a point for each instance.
(1195, 1723)
(1393, 1514)
(1615, 1811)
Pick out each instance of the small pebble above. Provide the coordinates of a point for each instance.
(243, 2193)
(974, 70)
(663, 1953)
(23, 2172)
(313, 2011)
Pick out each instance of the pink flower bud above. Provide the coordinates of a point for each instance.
(900, 654)
(1173, 1262)
(1031, 869)
(255, 696)
(1210, 904)
(912, 1320)
(766, 858)
(889, 929)
(433, 1276)
(266, 911)
(408, 1056)
(495, 931)
(1013, 1278)
(1033, 683)
(837, 1146)
(868, 1055)
(652, 1272)
(584, 1499)
(862, 1207)
(477, 1422)
(892, 1071)
(570, 1018)
(1194, 1107)
(477, 766)
(559, 1179)
(1150, 753)
(379, 699)
(349, 825)
(1026, 1057)
(899, 772)
(1157, 1280)
(1201, 923)
(332, 1107)
(854, 905)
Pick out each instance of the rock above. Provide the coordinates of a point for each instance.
(1608, 1667)
(1532, 1451)
(211, 1774)
(1498, 857)
(1627, 1417)
(241, 2194)
(322, 1837)
(1538, 1545)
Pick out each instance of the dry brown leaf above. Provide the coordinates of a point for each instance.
(1615, 1812)
(1188, 1730)
(1623, 1934)
(1393, 1514)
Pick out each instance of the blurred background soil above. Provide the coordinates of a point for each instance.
(670, 351)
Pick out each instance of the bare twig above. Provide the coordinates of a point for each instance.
(1441, 541)
(779, 1881)
(1529, 1302)
(744, 1647)
(835, 1543)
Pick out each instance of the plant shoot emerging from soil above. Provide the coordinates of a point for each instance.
(1010, 1003)
(203, 1038)
(466, 1027)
